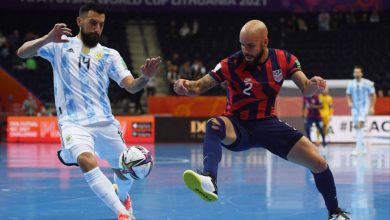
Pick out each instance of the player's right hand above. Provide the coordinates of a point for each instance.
(181, 86)
(59, 29)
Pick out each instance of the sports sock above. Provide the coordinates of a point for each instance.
(124, 187)
(326, 186)
(102, 187)
(212, 150)
(359, 139)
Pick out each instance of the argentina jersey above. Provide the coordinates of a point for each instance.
(360, 93)
(81, 80)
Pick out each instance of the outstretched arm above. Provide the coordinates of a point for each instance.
(309, 87)
(193, 88)
(30, 48)
(148, 70)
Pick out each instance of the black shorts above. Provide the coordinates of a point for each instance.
(270, 133)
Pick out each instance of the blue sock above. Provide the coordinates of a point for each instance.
(212, 150)
(325, 185)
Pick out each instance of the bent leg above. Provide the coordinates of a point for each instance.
(218, 130)
(99, 183)
(306, 154)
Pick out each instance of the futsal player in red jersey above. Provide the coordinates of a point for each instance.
(254, 76)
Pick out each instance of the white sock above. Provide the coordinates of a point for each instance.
(102, 187)
(124, 187)
(359, 139)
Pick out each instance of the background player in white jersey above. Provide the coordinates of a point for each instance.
(361, 99)
(82, 68)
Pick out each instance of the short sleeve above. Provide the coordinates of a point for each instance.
(293, 64)
(47, 52)
(217, 73)
(118, 69)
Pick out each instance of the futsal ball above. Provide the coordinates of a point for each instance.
(136, 162)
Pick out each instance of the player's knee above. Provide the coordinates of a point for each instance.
(216, 126)
(319, 165)
(86, 161)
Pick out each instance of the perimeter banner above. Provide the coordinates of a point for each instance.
(231, 5)
(341, 130)
(136, 129)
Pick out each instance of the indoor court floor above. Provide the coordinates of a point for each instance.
(253, 185)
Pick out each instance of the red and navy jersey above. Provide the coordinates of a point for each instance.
(312, 112)
(252, 88)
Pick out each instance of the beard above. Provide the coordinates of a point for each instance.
(256, 58)
(89, 39)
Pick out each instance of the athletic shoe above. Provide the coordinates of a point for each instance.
(127, 203)
(339, 215)
(125, 217)
(202, 184)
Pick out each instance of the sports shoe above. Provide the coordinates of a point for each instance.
(339, 215)
(355, 152)
(127, 202)
(125, 217)
(202, 184)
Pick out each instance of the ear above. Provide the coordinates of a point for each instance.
(78, 20)
(266, 41)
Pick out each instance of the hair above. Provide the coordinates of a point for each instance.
(359, 67)
(91, 6)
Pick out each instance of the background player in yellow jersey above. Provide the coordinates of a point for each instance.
(326, 111)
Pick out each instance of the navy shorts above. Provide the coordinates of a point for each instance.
(270, 133)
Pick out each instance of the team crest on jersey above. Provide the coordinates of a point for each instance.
(278, 75)
(99, 55)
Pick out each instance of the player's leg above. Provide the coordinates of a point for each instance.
(308, 124)
(320, 128)
(360, 145)
(109, 146)
(218, 131)
(290, 144)
(78, 143)
(306, 154)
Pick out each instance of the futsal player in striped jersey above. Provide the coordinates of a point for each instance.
(82, 69)
(254, 76)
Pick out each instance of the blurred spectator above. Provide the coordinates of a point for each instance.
(302, 25)
(380, 93)
(14, 41)
(172, 76)
(185, 70)
(3, 46)
(374, 17)
(151, 87)
(197, 69)
(29, 106)
(175, 59)
(184, 30)
(44, 111)
(195, 27)
(324, 21)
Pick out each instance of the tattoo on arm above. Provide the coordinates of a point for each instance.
(205, 83)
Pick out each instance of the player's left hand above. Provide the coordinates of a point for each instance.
(150, 67)
(317, 84)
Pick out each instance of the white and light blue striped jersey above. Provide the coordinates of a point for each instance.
(360, 93)
(81, 80)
